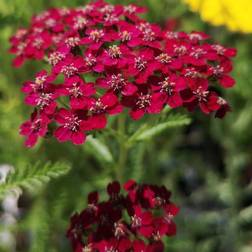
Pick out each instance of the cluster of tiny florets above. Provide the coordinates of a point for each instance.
(134, 222)
(108, 59)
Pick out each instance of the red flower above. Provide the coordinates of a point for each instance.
(131, 63)
(72, 127)
(44, 101)
(170, 88)
(108, 103)
(78, 91)
(142, 103)
(220, 72)
(132, 10)
(116, 56)
(200, 95)
(223, 109)
(70, 66)
(42, 83)
(34, 128)
(124, 223)
(37, 45)
(97, 37)
(128, 33)
(117, 83)
(92, 63)
(142, 222)
(142, 66)
(150, 35)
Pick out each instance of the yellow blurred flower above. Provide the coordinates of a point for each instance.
(235, 14)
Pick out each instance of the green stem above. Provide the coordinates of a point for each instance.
(123, 149)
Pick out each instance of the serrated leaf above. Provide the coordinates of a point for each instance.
(173, 122)
(34, 176)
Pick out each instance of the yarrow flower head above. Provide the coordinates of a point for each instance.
(135, 220)
(109, 60)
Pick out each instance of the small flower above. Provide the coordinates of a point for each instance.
(223, 109)
(220, 72)
(116, 56)
(34, 128)
(118, 84)
(72, 126)
(42, 83)
(142, 66)
(78, 91)
(142, 103)
(107, 104)
(92, 63)
(69, 67)
(170, 88)
(200, 95)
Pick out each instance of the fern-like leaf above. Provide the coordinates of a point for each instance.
(31, 177)
(148, 132)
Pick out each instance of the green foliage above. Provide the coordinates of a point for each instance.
(100, 150)
(147, 132)
(33, 176)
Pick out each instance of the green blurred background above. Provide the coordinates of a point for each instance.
(207, 165)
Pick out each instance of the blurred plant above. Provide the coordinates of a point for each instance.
(230, 13)
(10, 211)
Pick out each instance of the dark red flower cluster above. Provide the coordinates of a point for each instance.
(136, 221)
(104, 58)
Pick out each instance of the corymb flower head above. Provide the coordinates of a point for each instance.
(135, 220)
(108, 60)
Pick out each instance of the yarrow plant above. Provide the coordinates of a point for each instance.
(135, 221)
(103, 59)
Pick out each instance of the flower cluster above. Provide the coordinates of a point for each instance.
(104, 59)
(136, 221)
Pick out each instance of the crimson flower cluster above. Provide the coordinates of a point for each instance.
(103, 59)
(135, 222)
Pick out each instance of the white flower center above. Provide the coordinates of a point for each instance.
(140, 63)
(125, 36)
(44, 100)
(117, 82)
(96, 35)
(98, 107)
(55, 58)
(136, 221)
(167, 86)
(90, 60)
(164, 58)
(131, 9)
(201, 95)
(69, 70)
(72, 41)
(114, 51)
(73, 123)
(75, 91)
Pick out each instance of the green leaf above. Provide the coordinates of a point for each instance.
(31, 177)
(100, 150)
(148, 132)
(245, 215)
